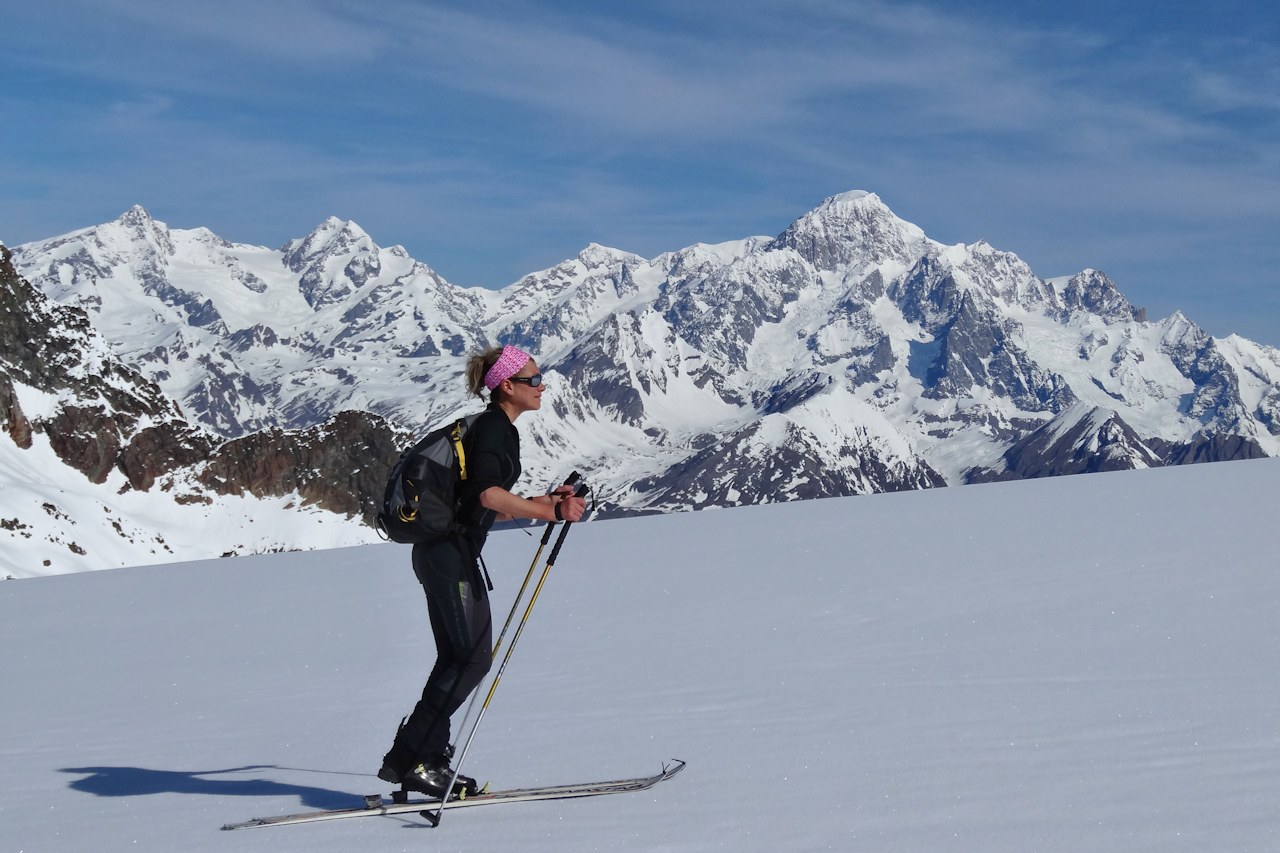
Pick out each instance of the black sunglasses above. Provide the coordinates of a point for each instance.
(532, 381)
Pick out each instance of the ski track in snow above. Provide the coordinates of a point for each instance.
(1077, 663)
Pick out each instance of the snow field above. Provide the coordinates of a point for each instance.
(1079, 663)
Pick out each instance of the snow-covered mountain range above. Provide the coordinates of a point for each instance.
(849, 354)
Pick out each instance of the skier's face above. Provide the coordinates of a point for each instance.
(526, 388)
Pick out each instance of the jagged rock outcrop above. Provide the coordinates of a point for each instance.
(1218, 447)
(339, 466)
(100, 414)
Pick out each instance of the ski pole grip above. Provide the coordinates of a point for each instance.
(577, 493)
(581, 491)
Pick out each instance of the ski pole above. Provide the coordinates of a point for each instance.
(571, 480)
(546, 537)
(434, 817)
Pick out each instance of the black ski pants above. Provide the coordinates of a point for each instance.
(458, 604)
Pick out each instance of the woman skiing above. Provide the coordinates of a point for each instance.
(449, 571)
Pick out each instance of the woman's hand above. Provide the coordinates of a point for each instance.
(567, 507)
(560, 505)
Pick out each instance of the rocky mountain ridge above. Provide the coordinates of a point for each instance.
(105, 422)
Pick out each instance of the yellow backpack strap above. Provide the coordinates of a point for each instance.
(456, 437)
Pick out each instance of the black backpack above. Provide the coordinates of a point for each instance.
(421, 499)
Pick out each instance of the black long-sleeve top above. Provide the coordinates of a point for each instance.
(492, 446)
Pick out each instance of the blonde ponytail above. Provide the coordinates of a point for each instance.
(477, 366)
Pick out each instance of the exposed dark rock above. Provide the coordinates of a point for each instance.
(340, 466)
(1217, 447)
(1078, 441)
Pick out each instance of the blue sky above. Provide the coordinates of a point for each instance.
(496, 139)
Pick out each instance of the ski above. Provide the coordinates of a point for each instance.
(514, 795)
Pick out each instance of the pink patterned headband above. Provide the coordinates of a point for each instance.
(507, 365)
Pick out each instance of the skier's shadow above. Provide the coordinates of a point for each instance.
(140, 781)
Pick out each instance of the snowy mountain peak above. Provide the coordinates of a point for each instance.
(335, 260)
(854, 232)
(1091, 291)
(851, 196)
(136, 230)
(331, 237)
(136, 216)
(596, 256)
(1179, 331)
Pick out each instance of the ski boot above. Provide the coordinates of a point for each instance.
(432, 777)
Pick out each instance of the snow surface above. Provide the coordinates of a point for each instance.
(1075, 663)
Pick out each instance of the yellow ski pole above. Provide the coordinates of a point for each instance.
(434, 817)
(546, 537)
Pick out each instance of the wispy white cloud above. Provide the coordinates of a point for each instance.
(312, 32)
(649, 125)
